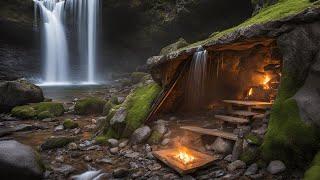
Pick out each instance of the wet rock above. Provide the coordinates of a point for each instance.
(140, 135)
(24, 127)
(16, 93)
(59, 128)
(165, 141)
(253, 168)
(57, 142)
(236, 165)
(114, 150)
(222, 146)
(113, 142)
(276, 167)
(123, 144)
(72, 146)
(64, 169)
(120, 172)
(18, 161)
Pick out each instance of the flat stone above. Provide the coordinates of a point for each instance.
(114, 150)
(64, 169)
(59, 128)
(165, 141)
(238, 164)
(24, 127)
(276, 167)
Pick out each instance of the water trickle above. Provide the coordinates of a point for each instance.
(196, 80)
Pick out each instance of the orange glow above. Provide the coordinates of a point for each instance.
(266, 81)
(250, 92)
(184, 157)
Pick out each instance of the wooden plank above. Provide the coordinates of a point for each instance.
(231, 119)
(211, 132)
(247, 103)
(243, 113)
(168, 157)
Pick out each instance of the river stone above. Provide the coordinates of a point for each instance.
(113, 142)
(140, 135)
(57, 142)
(238, 164)
(124, 143)
(18, 161)
(222, 146)
(252, 169)
(16, 93)
(276, 167)
(64, 169)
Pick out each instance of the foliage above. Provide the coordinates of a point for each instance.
(313, 173)
(91, 105)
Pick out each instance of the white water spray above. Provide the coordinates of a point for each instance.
(55, 42)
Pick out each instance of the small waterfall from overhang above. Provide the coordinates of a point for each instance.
(86, 16)
(55, 42)
(196, 80)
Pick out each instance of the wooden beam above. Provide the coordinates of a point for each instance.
(211, 132)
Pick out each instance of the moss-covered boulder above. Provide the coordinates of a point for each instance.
(70, 124)
(91, 105)
(57, 142)
(130, 115)
(137, 77)
(107, 107)
(173, 47)
(101, 140)
(17, 93)
(40, 110)
(250, 155)
(313, 173)
(253, 139)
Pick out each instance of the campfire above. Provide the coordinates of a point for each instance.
(184, 156)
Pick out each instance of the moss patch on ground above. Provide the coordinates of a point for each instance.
(70, 124)
(91, 105)
(289, 138)
(155, 137)
(313, 173)
(40, 110)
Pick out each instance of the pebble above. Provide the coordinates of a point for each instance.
(59, 128)
(123, 143)
(64, 169)
(113, 142)
(132, 155)
(165, 142)
(72, 146)
(238, 164)
(120, 172)
(148, 148)
(93, 121)
(276, 167)
(76, 131)
(114, 150)
(154, 167)
(104, 160)
(150, 156)
(228, 158)
(87, 158)
(60, 159)
(253, 168)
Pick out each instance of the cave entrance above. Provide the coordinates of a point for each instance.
(233, 84)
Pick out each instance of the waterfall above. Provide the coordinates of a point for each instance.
(196, 79)
(86, 16)
(55, 42)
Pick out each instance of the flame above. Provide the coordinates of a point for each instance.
(184, 157)
(250, 92)
(266, 81)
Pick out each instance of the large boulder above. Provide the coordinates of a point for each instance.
(16, 93)
(91, 105)
(140, 135)
(18, 161)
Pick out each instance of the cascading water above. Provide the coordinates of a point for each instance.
(196, 79)
(86, 13)
(55, 42)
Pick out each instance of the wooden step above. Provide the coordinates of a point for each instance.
(211, 132)
(231, 119)
(247, 103)
(243, 113)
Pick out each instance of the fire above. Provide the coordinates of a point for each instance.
(184, 157)
(250, 92)
(266, 81)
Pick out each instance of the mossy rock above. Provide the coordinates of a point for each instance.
(44, 115)
(137, 77)
(313, 173)
(56, 109)
(173, 47)
(57, 142)
(114, 100)
(70, 124)
(249, 155)
(155, 137)
(24, 112)
(101, 140)
(107, 107)
(253, 139)
(90, 105)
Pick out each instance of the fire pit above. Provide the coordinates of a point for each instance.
(184, 160)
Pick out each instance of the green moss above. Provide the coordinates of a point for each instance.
(313, 173)
(114, 100)
(39, 161)
(69, 124)
(249, 156)
(137, 77)
(107, 107)
(155, 138)
(57, 142)
(45, 114)
(138, 105)
(24, 112)
(253, 139)
(56, 109)
(91, 105)
(101, 140)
